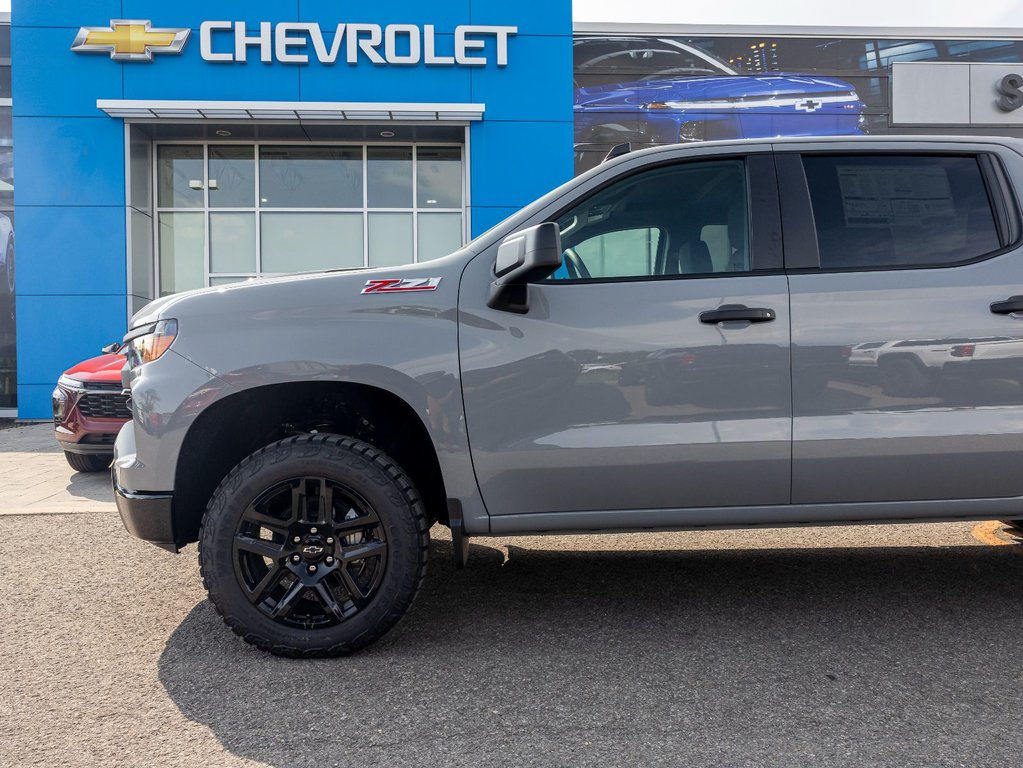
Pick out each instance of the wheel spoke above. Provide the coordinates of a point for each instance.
(326, 596)
(260, 547)
(363, 550)
(347, 526)
(258, 593)
(354, 588)
(298, 500)
(275, 524)
(287, 602)
(325, 502)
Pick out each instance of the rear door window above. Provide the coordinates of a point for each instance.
(899, 211)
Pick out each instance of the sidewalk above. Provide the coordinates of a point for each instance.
(35, 479)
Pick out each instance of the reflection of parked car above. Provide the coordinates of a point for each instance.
(663, 91)
(997, 358)
(865, 354)
(909, 368)
(88, 411)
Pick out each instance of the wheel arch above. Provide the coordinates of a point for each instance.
(235, 426)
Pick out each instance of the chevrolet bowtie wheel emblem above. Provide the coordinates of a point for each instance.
(130, 40)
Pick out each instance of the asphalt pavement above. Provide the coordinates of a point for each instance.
(859, 646)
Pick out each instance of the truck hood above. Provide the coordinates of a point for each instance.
(303, 292)
(718, 88)
(165, 307)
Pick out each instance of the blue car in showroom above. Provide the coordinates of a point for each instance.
(649, 91)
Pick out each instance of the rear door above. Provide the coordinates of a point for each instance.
(907, 362)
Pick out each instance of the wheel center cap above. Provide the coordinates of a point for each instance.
(312, 549)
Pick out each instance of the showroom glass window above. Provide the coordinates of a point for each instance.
(683, 220)
(228, 212)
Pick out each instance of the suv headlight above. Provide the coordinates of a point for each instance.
(149, 342)
(59, 402)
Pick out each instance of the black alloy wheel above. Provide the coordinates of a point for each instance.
(314, 546)
(310, 552)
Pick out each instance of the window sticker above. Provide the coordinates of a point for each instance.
(882, 196)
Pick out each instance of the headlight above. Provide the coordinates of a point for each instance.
(59, 401)
(66, 382)
(149, 342)
(681, 106)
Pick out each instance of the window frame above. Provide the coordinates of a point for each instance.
(206, 144)
(763, 218)
(802, 251)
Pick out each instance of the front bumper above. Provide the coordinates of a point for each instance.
(147, 516)
(92, 443)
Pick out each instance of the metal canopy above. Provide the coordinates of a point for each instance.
(143, 109)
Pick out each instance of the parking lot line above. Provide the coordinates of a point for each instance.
(993, 533)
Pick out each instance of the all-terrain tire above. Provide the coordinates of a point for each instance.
(88, 462)
(367, 472)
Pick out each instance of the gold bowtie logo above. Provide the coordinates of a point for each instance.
(130, 40)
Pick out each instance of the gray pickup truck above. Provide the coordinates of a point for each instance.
(728, 334)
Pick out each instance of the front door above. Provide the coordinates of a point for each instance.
(617, 390)
(907, 382)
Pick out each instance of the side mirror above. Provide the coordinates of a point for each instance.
(522, 258)
(109, 349)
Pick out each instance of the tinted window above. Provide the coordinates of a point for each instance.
(681, 220)
(899, 210)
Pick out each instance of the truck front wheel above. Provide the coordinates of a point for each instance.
(314, 546)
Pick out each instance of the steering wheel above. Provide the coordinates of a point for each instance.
(576, 268)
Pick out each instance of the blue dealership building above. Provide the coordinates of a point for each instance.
(164, 147)
(120, 136)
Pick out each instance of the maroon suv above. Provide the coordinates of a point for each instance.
(89, 408)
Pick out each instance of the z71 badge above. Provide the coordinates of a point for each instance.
(402, 286)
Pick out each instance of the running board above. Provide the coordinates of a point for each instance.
(780, 516)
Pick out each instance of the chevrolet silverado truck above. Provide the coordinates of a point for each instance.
(308, 430)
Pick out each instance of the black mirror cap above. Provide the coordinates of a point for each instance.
(526, 256)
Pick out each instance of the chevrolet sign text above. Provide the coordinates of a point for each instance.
(397, 44)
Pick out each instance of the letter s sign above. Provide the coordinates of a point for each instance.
(1011, 88)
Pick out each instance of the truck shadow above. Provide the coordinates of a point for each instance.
(646, 653)
(94, 486)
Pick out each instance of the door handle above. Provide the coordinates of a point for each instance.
(1007, 307)
(736, 312)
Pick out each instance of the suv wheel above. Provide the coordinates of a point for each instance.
(88, 462)
(903, 377)
(314, 546)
